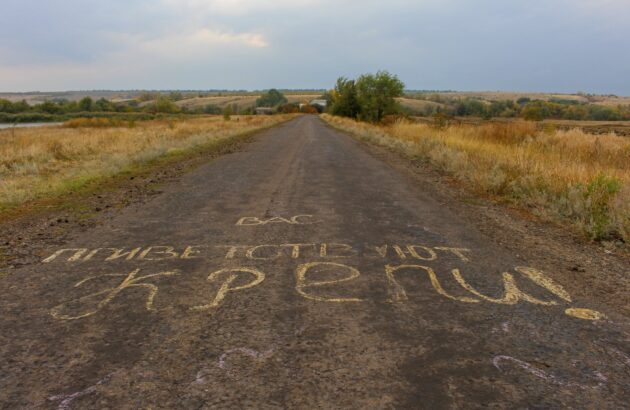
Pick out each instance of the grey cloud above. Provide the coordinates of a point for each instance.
(558, 45)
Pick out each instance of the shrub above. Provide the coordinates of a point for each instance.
(598, 196)
(271, 98)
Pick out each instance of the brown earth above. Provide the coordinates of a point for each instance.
(310, 271)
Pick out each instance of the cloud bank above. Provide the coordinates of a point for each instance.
(535, 45)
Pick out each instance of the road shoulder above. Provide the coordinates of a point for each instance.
(588, 270)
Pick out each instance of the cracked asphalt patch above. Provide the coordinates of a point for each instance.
(302, 272)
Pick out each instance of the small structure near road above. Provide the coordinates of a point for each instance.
(320, 104)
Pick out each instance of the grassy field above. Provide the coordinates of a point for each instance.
(417, 105)
(610, 100)
(620, 128)
(566, 175)
(37, 163)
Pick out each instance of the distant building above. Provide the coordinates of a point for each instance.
(264, 111)
(319, 103)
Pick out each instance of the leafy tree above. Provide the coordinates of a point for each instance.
(163, 105)
(271, 98)
(48, 107)
(103, 105)
(21, 106)
(175, 96)
(227, 113)
(86, 104)
(7, 106)
(535, 111)
(377, 94)
(344, 100)
(212, 109)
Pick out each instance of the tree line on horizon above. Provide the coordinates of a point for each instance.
(525, 108)
(370, 97)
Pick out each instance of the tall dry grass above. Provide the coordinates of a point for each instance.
(567, 175)
(47, 161)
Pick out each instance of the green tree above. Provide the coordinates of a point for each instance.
(86, 104)
(164, 105)
(103, 105)
(377, 94)
(7, 106)
(344, 101)
(212, 109)
(271, 98)
(48, 107)
(535, 111)
(227, 113)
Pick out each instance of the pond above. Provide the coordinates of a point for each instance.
(28, 124)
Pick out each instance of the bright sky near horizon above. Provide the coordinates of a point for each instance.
(523, 45)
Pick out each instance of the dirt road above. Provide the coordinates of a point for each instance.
(301, 272)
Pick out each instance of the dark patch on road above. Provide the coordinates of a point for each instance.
(303, 272)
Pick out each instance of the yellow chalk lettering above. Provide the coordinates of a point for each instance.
(296, 220)
(398, 293)
(130, 281)
(276, 220)
(512, 294)
(232, 249)
(302, 284)
(120, 253)
(78, 253)
(540, 279)
(413, 252)
(250, 252)
(381, 250)
(190, 252)
(323, 250)
(225, 286)
(160, 250)
(459, 252)
(249, 220)
(295, 248)
(92, 253)
(326, 248)
(400, 252)
(586, 314)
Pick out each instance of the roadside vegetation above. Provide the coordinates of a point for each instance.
(154, 105)
(534, 109)
(371, 97)
(568, 176)
(63, 110)
(40, 163)
(565, 175)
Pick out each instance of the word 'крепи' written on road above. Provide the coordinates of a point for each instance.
(412, 258)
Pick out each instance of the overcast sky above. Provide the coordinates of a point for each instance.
(521, 45)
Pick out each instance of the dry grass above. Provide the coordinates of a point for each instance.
(241, 101)
(500, 96)
(97, 123)
(567, 175)
(43, 162)
(418, 105)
